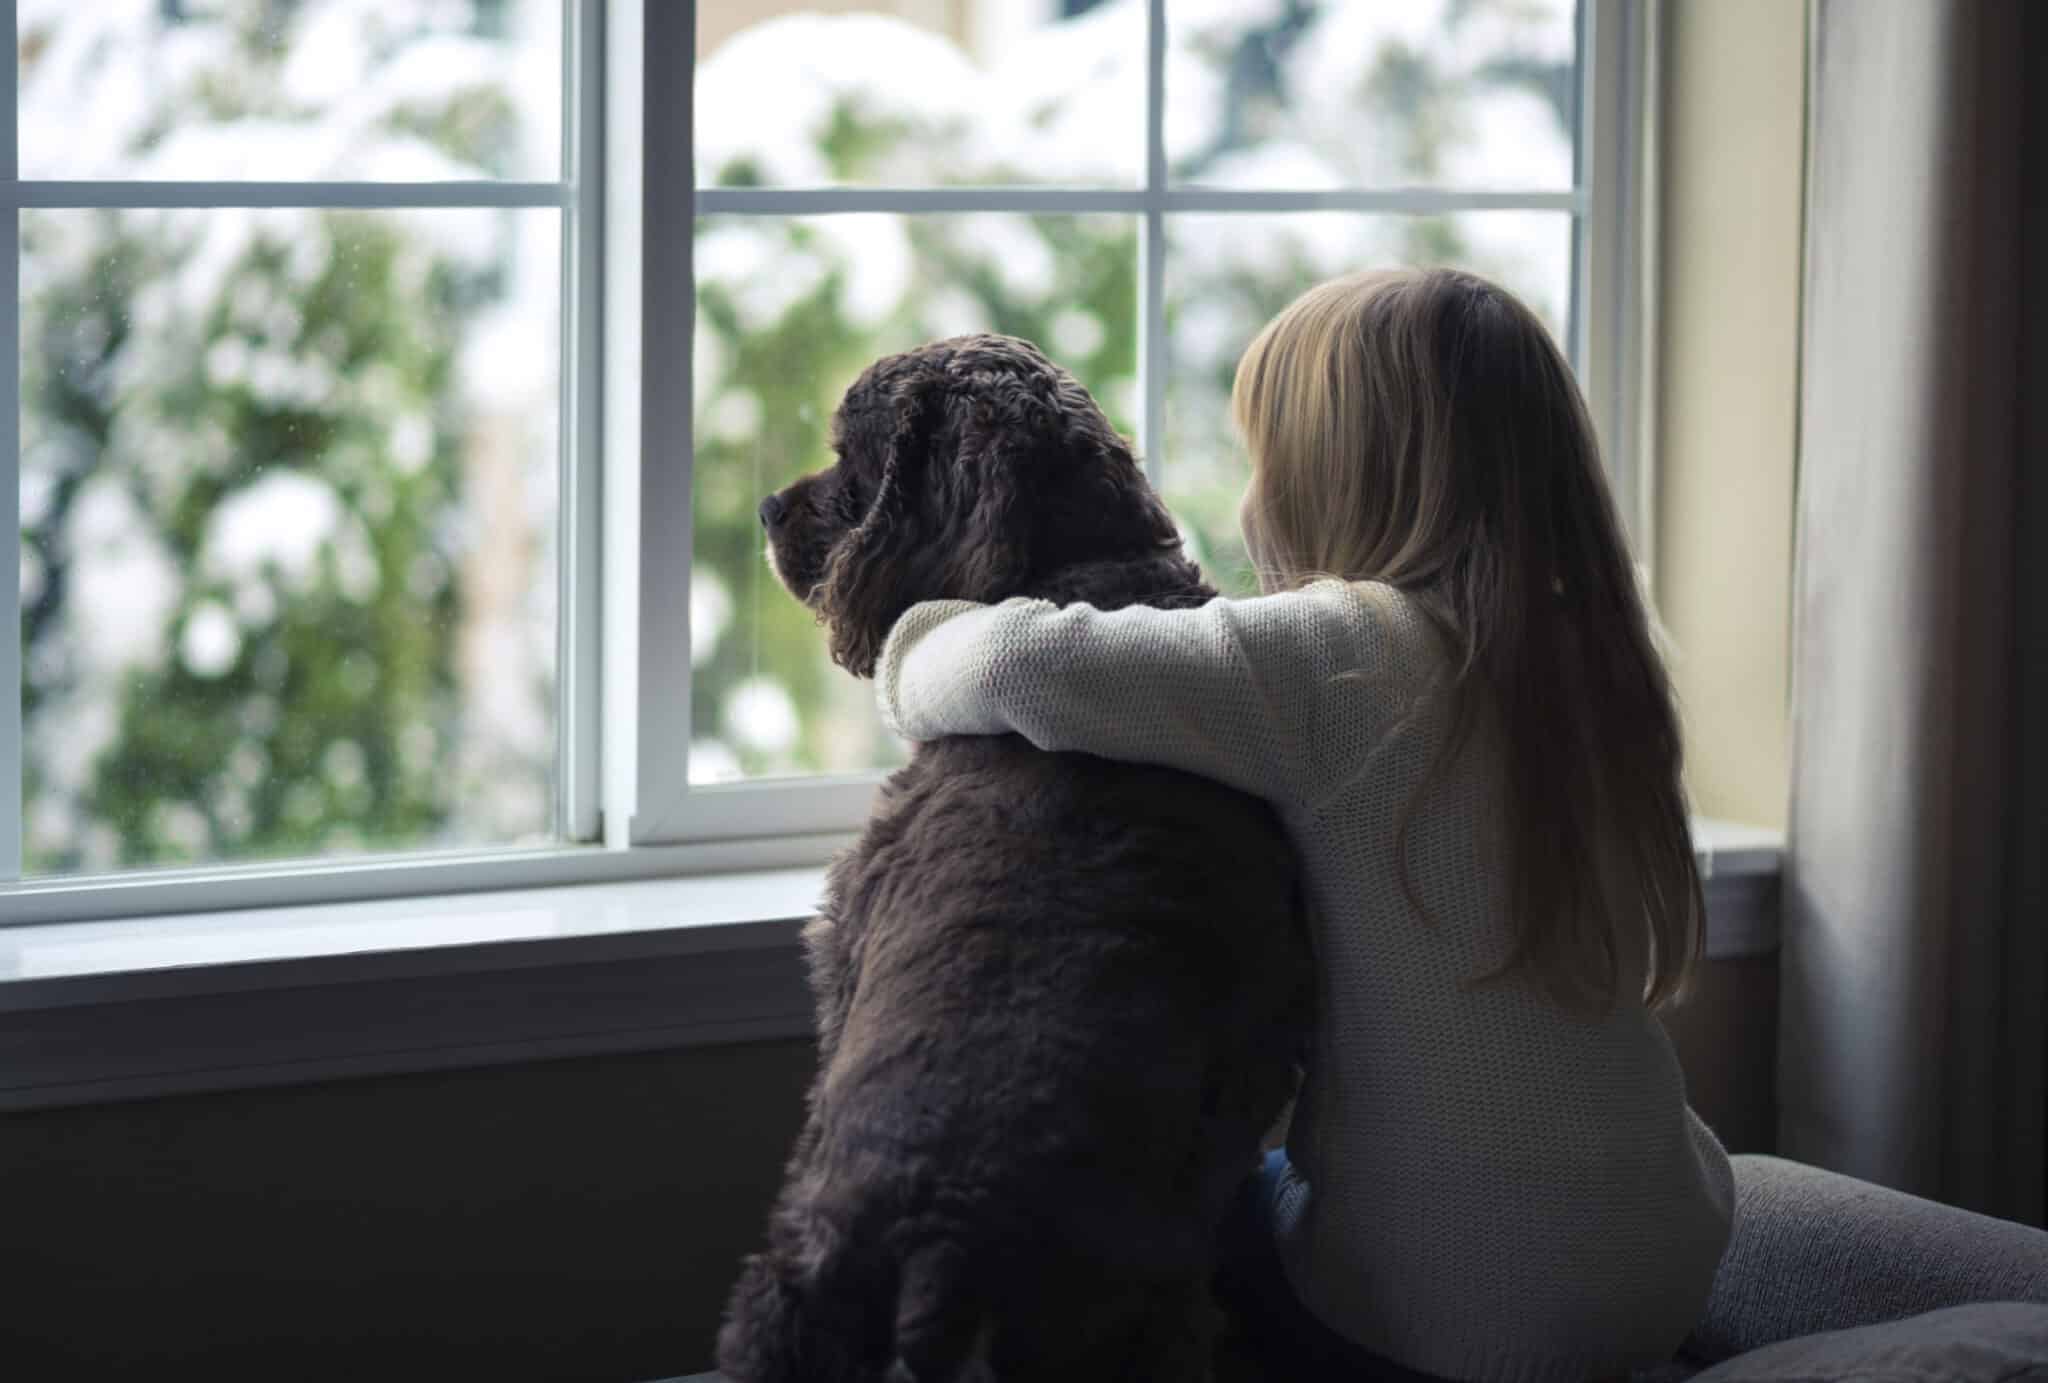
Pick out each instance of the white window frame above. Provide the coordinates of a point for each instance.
(629, 202)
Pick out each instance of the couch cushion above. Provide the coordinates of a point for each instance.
(1991, 1342)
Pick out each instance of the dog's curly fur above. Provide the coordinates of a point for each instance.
(1059, 998)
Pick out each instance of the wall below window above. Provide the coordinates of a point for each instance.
(1726, 1032)
(574, 1219)
(577, 1219)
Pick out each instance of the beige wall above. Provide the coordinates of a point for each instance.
(1728, 359)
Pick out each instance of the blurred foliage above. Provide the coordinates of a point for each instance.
(176, 365)
(295, 746)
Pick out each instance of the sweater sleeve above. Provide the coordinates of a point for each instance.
(1241, 691)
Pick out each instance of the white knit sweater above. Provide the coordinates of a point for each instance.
(1486, 1186)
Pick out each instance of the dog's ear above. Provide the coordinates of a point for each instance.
(1007, 443)
(994, 466)
(954, 511)
(1105, 509)
(872, 573)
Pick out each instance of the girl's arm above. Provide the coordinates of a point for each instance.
(1246, 692)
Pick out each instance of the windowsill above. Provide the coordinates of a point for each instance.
(93, 1011)
(60, 964)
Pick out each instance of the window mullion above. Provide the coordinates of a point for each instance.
(914, 201)
(579, 572)
(1084, 201)
(208, 194)
(12, 822)
(1613, 303)
(1152, 249)
(666, 207)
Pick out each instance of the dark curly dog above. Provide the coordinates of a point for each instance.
(1059, 998)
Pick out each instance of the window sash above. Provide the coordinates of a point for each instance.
(12, 764)
(578, 196)
(666, 808)
(630, 203)
(1615, 269)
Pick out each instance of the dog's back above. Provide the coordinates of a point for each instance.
(1060, 1001)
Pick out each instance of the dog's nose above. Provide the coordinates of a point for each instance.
(772, 510)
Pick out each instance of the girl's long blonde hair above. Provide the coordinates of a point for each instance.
(1420, 428)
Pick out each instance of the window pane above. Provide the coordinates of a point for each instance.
(1226, 276)
(1437, 93)
(288, 496)
(916, 93)
(789, 311)
(331, 90)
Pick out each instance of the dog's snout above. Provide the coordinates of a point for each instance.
(772, 510)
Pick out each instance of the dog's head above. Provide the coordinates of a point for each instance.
(967, 469)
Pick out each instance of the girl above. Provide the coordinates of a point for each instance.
(1451, 695)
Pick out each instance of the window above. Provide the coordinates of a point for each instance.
(397, 382)
(289, 314)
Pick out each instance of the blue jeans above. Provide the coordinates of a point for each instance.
(1289, 1339)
